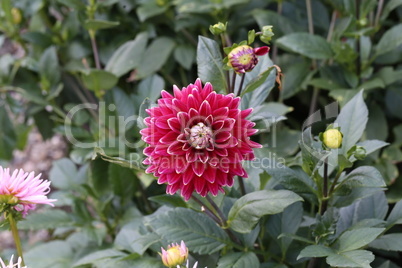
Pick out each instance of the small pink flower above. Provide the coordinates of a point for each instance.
(23, 190)
(175, 254)
(11, 264)
(244, 58)
(197, 140)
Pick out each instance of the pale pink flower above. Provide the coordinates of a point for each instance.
(175, 255)
(11, 264)
(197, 140)
(23, 190)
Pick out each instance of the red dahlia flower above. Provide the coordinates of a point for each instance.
(198, 140)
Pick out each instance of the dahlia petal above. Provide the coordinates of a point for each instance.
(175, 148)
(198, 84)
(198, 168)
(228, 124)
(151, 169)
(211, 97)
(192, 102)
(169, 138)
(161, 149)
(222, 136)
(205, 109)
(149, 150)
(193, 114)
(260, 51)
(162, 123)
(173, 178)
(221, 112)
(221, 152)
(166, 94)
(179, 106)
(253, 144)
(199, 184)
(207, 90)
(217, 125)
(172, 188)
(188, 176)
(174, 124)
(177, 93)
(235, 103)
(191, 156)
(246, 112)
(183, 118)
(203, 156)
(209, 174)
(187, 191)
(163, 179)
(181, 165)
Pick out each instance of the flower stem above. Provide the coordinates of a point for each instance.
(241, 184)
(324, 202)
(231, 89)
(241, 84)
(95, 50)
(14, 230)
(207, 211)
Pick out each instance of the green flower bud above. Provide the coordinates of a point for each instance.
(267, 34)
(360, 153)
(218, 28)
(16, 14)
(332, 138)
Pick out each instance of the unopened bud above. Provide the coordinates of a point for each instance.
(332, 138)
(175, 255)
(218, 28)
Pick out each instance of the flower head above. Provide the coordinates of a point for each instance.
(332, 138)
(175, 254)
(244, 58)
(22, 190)
(197, 140)
(12, 264)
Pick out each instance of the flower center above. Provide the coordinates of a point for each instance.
(200, 136)
(245, 59)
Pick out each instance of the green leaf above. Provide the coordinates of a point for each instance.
(210, 63)
(395, 217)
(389, 6)
(155, 56)
(133, 161)
(311, 46)
(99, 255)
(247, 211)
(201, 233)
(355, 258)
(49, 68)
(352, 120)
(389, 242)
(315, 251)
(390, 40)
(8, 138)
(128, 56)
(150, 88)
(48, 219)
(293, 78)
(125, 107)
(185, 56)
(150, 9)
(364, 176)
(64, 174)
(99, 80)
(239, 260)
(49, 255)
(169, 200)
(357, 238)
(95, 25)
(257, 81)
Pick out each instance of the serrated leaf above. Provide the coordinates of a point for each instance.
(315, 251)
(155, 56)
(128, 56)
(200, 233)
(352, 120)
(389, 242)
(257, 81)
(305, 44)
(248, 210)
(355, 258)
(239, 260)
(390, 40)
(48, 219)
(210, 63)
(357, 238)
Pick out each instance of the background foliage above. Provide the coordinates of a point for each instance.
(118, 55)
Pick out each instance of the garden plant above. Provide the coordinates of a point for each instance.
(202, 133)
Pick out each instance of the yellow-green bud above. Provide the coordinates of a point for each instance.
(17, 16)
(332, 138)
(218, 28)
(175, 255)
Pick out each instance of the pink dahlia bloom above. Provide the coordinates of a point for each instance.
(11, 264)
(23, 190)
(197, 140)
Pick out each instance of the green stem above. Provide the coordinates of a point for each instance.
(241, 84)
(242, 188)
(324, 202)
(14, 230)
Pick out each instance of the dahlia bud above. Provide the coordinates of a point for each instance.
(266, 34)
(16, 14)
(244, 58)
(332, 138)
(175, 255)
(218, 28)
